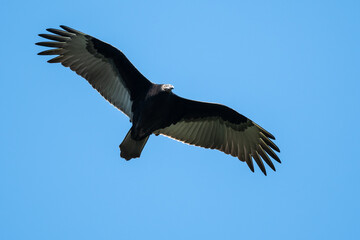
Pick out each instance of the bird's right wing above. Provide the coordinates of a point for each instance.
(106, 68)
(219, 127)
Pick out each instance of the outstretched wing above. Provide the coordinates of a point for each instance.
(106, 68)
(219, 127)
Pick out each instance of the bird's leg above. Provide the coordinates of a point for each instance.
(138, 133)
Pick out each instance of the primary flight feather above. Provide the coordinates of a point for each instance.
(154, 108)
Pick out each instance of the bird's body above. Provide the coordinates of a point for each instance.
(154, 108)
(151, 113)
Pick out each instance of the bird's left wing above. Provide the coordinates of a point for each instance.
(219, 127)
(106, 68)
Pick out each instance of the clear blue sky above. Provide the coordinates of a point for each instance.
(291, 66)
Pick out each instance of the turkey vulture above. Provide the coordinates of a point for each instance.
(154, 108)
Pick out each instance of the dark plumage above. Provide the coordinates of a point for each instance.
(154, 108)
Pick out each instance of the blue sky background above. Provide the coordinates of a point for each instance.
(291, 66)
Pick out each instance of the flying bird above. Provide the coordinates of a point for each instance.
(154, 108)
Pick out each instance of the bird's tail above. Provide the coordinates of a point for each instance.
(131, 148)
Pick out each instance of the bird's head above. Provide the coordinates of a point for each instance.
(167, 87)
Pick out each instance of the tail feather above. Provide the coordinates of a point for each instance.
(131, 148)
